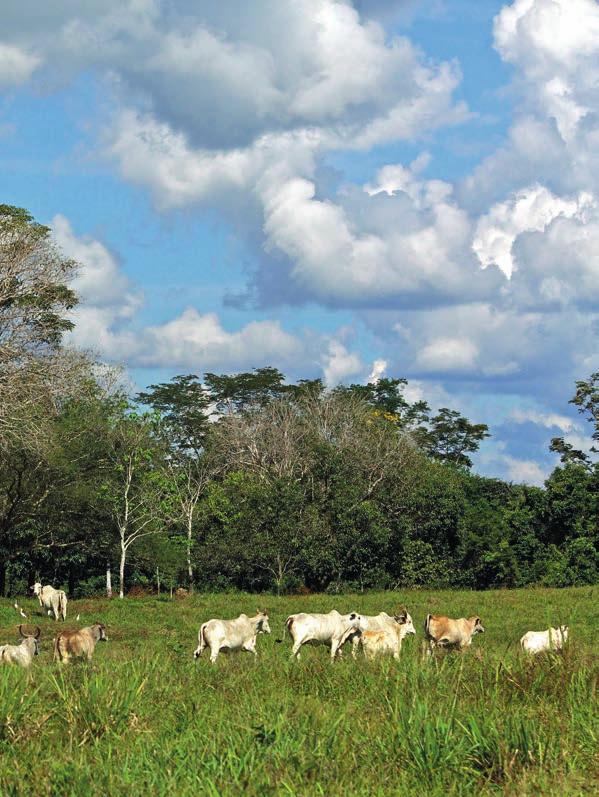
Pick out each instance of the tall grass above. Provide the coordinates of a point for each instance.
(144, 718)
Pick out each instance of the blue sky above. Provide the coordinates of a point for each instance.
(337, 188)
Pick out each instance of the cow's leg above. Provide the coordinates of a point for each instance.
(214, 653)
(334, 648)
(295, 650)
(354, 645)
(250, 646)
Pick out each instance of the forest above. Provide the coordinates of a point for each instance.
(248, 481)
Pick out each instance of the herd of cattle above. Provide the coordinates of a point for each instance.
(377, 635)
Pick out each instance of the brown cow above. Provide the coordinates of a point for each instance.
(75, 644)
(440, 631)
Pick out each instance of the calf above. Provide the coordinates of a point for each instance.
(21, 654)
(332, 629)
(237, 634)
(444, 632)
(79, 644)
(538, 641)
(54, 600)
(378, 622)
(388, 639)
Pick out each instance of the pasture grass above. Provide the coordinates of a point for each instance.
(145, 719)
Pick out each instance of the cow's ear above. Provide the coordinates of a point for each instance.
(400, 618)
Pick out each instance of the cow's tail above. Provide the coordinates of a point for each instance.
(427, 623)
(202, 639)
(62, 605)
(288, 625)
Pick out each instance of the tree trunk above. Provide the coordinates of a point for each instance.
(189, 565)
(108, 582)
(122, 571)
(158, 579)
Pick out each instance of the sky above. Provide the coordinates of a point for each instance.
(339, 189)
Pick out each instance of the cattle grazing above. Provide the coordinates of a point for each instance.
(79, 644)
(378, 622)
(332, 629)
(54, 600)
(22, 654)
(538, 641)
(387, 640)
(444, 632)
(237, 634)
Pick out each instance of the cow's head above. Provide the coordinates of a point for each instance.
(101, 632)
(478, 627)
(35, 636)
(36, 588)
(263, 626)
(405, 621)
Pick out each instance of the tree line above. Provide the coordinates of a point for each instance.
(247, 481)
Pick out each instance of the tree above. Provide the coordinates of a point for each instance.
(451, 437)
(237, 392)
(586, 399)
(135, 490)
(34, 303)
(184, 407)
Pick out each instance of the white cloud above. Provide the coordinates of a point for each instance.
(16, 65)
(529, 209)
(338, 363)
(555, 44)
(550, 420)
(106, 323)
(448, 354)
(377, 371)
(525, 471)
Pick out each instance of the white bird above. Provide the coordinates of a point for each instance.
(77, 618)
(22, 613)
(16, 606)
(49, 612)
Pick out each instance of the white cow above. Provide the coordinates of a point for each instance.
(388, 639)
(21, 654)
(551, 639)
(332, 629)
(54, 600)
(376, 622)
(238, 634)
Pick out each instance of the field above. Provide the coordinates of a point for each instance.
(145, 718)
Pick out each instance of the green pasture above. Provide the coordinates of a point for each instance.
(145, 719)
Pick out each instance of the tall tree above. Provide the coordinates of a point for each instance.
(586, 398)
(237, 392)
(34, 304)
(184, 406)
(134, 489)
(451, 437)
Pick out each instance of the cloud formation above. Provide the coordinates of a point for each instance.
(489, 282)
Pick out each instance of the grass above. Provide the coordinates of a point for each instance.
(145, 718)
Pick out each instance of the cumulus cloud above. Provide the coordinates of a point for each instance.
(448, 354)
(106, 323)
(530, 209)
(377, 371)
(16, 65)
(339, 363)
(550, 420)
